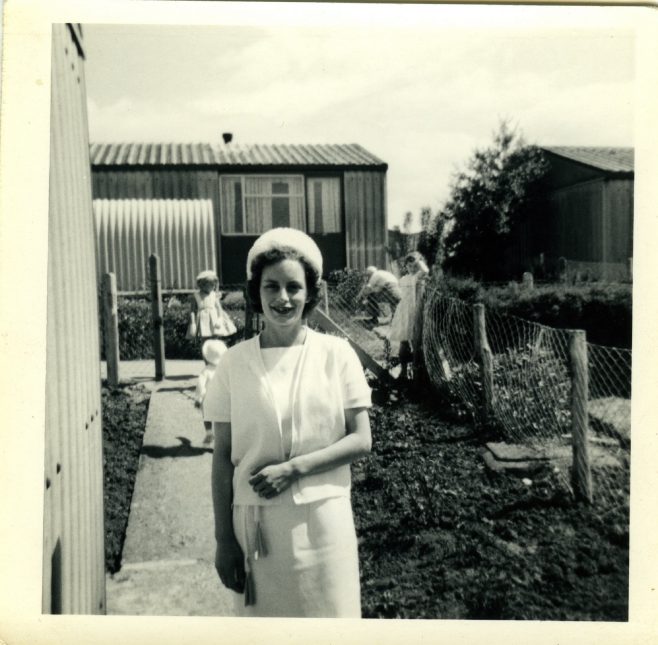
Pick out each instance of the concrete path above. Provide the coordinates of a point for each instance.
(168, 557)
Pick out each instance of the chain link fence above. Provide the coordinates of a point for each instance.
(531, 382)
(366, 321)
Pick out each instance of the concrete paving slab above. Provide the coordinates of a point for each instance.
(169, 551)
(168, 588)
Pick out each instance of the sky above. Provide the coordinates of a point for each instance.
(421, 98)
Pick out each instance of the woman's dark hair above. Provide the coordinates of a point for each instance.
(260, 262)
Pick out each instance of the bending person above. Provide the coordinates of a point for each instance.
(289, 410)
(382, 287)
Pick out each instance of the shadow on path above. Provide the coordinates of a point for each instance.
(184, 449)
(181, 377)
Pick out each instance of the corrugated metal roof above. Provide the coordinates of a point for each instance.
(608, 159)
(160, 154)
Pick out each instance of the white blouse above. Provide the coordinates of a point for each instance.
(281, 364)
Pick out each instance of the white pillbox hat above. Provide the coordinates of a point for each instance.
(286, 238)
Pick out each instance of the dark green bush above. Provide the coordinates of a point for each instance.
(603, 310)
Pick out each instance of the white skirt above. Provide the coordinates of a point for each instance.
(311, 566)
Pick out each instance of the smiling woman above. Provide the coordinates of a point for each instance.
(290, 414)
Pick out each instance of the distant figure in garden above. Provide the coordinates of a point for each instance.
(402, 325)
(207, 316)
(382, 287)
(212, 351)
(289, 412)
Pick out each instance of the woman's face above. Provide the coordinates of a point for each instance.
(411, 266)
(283, 292)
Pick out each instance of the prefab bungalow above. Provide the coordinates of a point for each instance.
(336, 193)
(589, 219)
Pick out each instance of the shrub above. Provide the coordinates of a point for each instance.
(234, 300)
(603, 310)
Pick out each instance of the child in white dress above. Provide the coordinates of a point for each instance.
(207, 316)
(212, 351)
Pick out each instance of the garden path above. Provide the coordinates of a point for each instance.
(168, 557)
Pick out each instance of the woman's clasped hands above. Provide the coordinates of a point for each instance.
(271, 480)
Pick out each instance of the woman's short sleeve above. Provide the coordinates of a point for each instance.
(217, 404)
(356, 391)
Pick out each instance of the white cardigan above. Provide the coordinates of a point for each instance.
(329, 380)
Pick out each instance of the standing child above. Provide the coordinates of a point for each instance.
(212, 351)
(207, 316)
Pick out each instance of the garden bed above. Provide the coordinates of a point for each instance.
(124, 411)
(442, 537)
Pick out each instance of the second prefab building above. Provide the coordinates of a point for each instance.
(336, 193)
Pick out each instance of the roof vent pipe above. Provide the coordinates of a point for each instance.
(227, 136)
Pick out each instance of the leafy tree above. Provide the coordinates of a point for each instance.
(490, 206)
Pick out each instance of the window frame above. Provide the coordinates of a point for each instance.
(273, 177)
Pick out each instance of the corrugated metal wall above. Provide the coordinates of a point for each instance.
(73, 546)
(365, 218)
(592, 222)
(618, 221)
(180, 231)
(575, 227)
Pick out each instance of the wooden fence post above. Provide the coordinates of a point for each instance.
(157, 315)
(111, 326)
(485, 359)
(581, 472)
(528, 282)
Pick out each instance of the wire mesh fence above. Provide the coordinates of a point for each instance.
(532, 389)
(367, 321)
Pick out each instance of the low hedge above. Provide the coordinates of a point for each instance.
(135, 326)
(603, 310)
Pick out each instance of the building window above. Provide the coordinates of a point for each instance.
(323, 205)
(253, 204)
